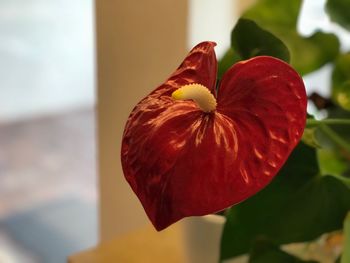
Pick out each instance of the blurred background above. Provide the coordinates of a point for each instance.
(49, 206)
(47, 130)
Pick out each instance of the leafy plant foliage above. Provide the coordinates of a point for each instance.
(311, 194)
(265, 251)
(286, 211)
(280, 18)
(339, 12)
(250, 40)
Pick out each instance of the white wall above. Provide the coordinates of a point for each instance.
(211, 20)
(139, 44)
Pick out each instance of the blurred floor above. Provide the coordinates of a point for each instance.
(47, 187)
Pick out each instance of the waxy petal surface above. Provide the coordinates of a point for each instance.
(183, 162)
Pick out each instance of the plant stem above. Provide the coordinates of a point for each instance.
(313, 122)
(335, 137)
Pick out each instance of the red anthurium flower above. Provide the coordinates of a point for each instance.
(188, 151)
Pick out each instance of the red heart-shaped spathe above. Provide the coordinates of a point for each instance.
(181, 161)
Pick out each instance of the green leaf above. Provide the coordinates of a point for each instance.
(229, 58)
(332, 163)
(331, 138)
(341, 81)
(309, 137)
(338, 11)
(250, 40)
(280, 18)
(335, 137)
(264, 251)
(275, 13)
(346, 250)
(341, 72)
(299, 205)
(343, 95)
(334, 157)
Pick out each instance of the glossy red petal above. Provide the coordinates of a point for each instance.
(157, 134)
(200, 66)
(183, 162)
(266, 101)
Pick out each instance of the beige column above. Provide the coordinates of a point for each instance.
(139, 43)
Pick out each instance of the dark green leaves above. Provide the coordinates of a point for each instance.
(280, 17)
(299, 205)
(335, 137)
(270, 28)
(338, 11)
(265, 251)
(311, 194)
(311, 53)
(334, 157)
(250, 40)
(230, 58)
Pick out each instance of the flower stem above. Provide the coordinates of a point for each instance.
(335, 137)
(313, 122)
